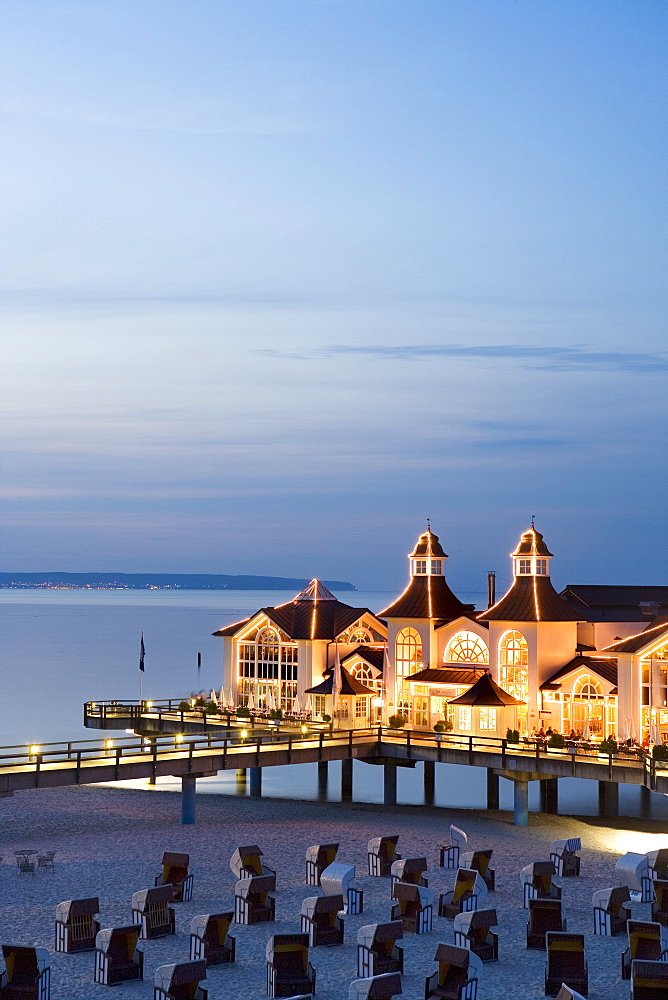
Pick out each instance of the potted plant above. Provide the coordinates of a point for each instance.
(512, 736)
(243, 712)
(556, 742)
(660, 752)
(211, 708)
(439, 729)
(326, 718)
(184, 706)
(397, 721)
(200, 703)
(276, 715)
(607, 747)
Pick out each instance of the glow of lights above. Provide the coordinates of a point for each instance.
(178, 738)
(647, 632)
(304, 729)
(35, 749)
(108, 744)
(192, 702)
(244, 734)
(149, 704)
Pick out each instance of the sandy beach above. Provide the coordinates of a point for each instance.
(109, 843)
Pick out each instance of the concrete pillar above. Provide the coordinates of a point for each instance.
(255, 774)
(645, 802)
(390, 784)
(521, 803)
(492, 789)
(188, 787)
(347, 779)
(241, 781)
(608, 798)
(429, 782)
(549, 795)
(241, 774)
(323, 775)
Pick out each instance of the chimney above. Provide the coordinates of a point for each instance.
(491, 588)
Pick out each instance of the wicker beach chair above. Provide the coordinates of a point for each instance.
(253, 902)
(377, 988)
(610, 913)
(381, 853)
(562, 855)
(76, 926)
(409, 870)
(566, 993)
(289, 972)
(117, 957)
(647, 942)
(414, 907)
(649, 980)
(479, 862)
(45, 861)
(469, 893)
(27, 973)
(180, 981)
(449, 854)
(211, 940)
(565, 963)
(633, 871)
(544, 915)
(176, 872)
(457, 975)
(321, 920)
(473, 931)
(151, 910)
(245, 862)
(377, 950)
(536, 882)
(317, 859)
(657, 863)
(660, 903)
(339, 880)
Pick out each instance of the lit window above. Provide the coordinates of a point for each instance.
(524, 566)
(587, 687)
(488, 719)
(466, 647)
(421, 566)
(319, 704)
(465, 718)
(513, 665)
(541, 567)
(437, 565)
(358, 635)
(408, 652)
(360, 708)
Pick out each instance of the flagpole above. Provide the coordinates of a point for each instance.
(142, 652)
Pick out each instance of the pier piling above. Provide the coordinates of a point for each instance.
(255, 775)
(390, 784)
(429, 782)
(188, 790)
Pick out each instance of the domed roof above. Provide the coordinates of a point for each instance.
(531, 544)
(428, 545)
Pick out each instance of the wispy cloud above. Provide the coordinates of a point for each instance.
(576, 358)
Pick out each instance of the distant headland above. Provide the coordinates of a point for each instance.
(156, 581)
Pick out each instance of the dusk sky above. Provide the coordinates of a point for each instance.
(283, 279)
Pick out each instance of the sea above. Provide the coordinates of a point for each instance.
(60, 648)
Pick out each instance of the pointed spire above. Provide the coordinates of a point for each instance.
(316, 591)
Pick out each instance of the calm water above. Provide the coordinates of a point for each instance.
(61, 648)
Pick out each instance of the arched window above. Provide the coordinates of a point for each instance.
(408, 653)
(466, 647)
(268, 653)
(359, 635)
(364, 674)
(587, 687)
(514, 665)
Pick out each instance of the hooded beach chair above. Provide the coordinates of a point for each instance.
(117, 957)
(648, 941)
(566, 993)
(536, 882)
(469, 893)
(660, 903)
(414, 907)
(544, 915)
(450, 852)
(245, 862)
(339, 880)
(289, 972)
(377, 950)
(76, 926)
(317, 859)
(657, 863)
(176, 872)
(473, 930)
(409, 870)
(633, 870)
(211, 940)
(253, 902)
(649, 980)
(381, 853)
(479, 862)
(565, 963)
(610, 913)
(151, 909)
(321, 920)
(562, 855)
(180, 981)
(378, 988)
(27, 973)
(457, 975)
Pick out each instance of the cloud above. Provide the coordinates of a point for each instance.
(558, 359)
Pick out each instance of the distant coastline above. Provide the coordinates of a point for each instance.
(156, 581)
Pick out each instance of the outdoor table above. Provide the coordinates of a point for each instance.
(25, 854)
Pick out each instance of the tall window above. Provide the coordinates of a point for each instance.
(268, 665)
(514, 665)
(487, 719)
(541, 567)
(364, 675)
(466, 647)
(408, 653)
(268, 648)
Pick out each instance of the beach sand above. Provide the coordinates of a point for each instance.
(109, 843)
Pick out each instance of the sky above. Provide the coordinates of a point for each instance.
(283, 278)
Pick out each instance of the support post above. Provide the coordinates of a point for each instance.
(188, 788)
(608, 798)
(492, 789)
(255, 774)
(549, 795)
(152, 779)
(390, 784)
(347, 779)
(645, 802)
(323, 774)
(521, 803)
(241, 774)
(429, 782)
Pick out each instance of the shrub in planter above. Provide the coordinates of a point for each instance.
(448, 725)
(556, 742)
(512, 735)
(326, 718)
(608, 746)
(439, 728)
(243, 713)
(200, 703)
(276, 714)
(660, 752)
(211, 708)
(397, 721)
(184, 706)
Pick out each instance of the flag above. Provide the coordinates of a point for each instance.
(142, 651)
